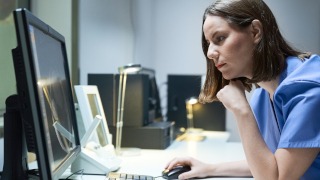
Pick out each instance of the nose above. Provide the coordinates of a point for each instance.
(212, 53)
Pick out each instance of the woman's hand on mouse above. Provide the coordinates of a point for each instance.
(233, 96)
(198, 168)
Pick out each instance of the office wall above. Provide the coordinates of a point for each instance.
(105, 36)
(7, 42)
(144, 32)
(55, 13)
(58, 15)
(165, 35)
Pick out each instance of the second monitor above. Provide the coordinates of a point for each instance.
(142, 102)
(209, 116)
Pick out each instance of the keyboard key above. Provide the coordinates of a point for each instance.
(129, 176)
(113, 175)
(124, 176)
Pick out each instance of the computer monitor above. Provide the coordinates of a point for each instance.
(98, 155)
(89, 106)
(45, 100)
(154, 98)
(209, 116)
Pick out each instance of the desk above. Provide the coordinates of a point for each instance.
(213, 149)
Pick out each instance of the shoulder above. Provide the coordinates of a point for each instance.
(299, 75)
(297, 70)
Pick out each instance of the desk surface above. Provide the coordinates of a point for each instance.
(213, 149)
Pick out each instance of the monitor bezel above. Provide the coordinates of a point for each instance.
(23, 18)
(82, 92)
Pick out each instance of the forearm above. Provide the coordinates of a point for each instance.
(237, 168)
(261, 160)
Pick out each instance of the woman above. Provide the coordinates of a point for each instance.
(280, 131)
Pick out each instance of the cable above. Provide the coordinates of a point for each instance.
(157, 177)
(77, 172)
(163, 83)
(94, 174)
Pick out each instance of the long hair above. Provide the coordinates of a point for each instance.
(269, 53)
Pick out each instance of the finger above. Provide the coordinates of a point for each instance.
(170, 162)
(237, 82)
(218, 97)
(179, 161)
(220, 94)
(187, 175)
(233, 82)
(174, 163)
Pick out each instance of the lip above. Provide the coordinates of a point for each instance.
(220, 65)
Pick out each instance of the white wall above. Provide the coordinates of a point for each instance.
(166, 35)
(299, 22)
(144, 32)
(105, 36)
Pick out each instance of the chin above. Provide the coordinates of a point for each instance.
(226, 77)
(231, 75)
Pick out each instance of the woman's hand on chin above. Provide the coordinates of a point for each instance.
(233, 96)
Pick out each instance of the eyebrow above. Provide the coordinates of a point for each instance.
(214, 34)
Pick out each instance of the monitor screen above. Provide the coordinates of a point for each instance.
(154, 98)
(45, 95)
(53, 93)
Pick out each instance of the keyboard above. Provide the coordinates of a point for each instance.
(124, 176)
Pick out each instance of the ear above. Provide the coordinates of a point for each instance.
(257, 30)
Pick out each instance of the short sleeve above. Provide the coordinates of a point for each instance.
(297, 107)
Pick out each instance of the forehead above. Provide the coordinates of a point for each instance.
(215, 23)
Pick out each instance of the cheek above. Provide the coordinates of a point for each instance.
(240, 45)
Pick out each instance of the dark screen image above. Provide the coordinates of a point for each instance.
(54, 94)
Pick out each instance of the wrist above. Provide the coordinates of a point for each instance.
(242, 110)
(212, 170)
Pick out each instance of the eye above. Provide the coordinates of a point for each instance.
(221, 38)
(208, 43)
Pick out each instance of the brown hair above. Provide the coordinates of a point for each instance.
(269, 54)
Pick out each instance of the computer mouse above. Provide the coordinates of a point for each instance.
(175, 172)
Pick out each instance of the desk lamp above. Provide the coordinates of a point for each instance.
(130, 68)
(192, 134)
(189, 102)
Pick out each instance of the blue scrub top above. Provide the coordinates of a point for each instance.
(295, 120)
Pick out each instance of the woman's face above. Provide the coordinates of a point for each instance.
(229, 47)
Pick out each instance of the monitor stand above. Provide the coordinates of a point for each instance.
(15, 164)
(95, 160)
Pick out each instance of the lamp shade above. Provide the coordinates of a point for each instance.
(192, 100)
(130, 68)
